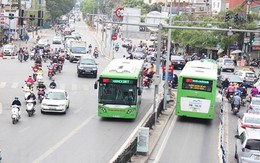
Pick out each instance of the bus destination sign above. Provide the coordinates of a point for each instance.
(197, 84)
(117, 81)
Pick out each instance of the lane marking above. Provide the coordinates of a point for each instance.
(165, 140)
(74, 87)
(1, 108)
(24, 129)
(62, 141)
(78, 110)
(14, 85)
(2, 84)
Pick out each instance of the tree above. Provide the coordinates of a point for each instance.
(89, 7)
(58, 8)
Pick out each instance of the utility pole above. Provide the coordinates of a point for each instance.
(20, 28)
(167, 60)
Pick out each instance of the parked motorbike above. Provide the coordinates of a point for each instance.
(15, 114)
(30, 107)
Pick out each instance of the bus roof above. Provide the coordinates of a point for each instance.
(197, 68)
(123, 68)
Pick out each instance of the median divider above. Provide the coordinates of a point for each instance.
(129, 150)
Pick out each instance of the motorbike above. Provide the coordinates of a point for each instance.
(45, 56)
(15, 114)
(41, 93)
(147, 82)
(95, 54)
(39, 78)
(243, 100)
(231, 95)
(31, 54)
(26, 56)
(52, 86)
(235, 109)
(27, 91)
(30, 107)
(20, 57)
(59, 66)
(50, 73)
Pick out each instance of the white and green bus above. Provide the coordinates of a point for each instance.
(197, 88)
(120, 88)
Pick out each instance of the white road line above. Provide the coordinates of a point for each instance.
(1, 108)
(78, 110)
(2, 84)
(74, 87)
(62, 86)
(62, 141)
(164, 143)
(14, 85)
(24, 129)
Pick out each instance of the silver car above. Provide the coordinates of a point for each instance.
(248, 146)
(225, 64)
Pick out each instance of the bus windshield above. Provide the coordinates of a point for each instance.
(122, 94)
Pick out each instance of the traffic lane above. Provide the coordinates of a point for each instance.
(232, 129)
(41, 132)
(193, 140)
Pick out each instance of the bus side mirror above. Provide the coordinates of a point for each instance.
(139, 92)
(95, 85)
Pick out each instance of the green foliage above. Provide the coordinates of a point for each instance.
(57, 8)
(89, 6)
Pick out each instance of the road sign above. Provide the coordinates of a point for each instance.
(114, 37)
(120, 12)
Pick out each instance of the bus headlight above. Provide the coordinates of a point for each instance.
(129, 111)
(104, 110)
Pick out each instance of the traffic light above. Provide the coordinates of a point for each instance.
(11, 16)
(40, 18)
(227, 17)
(236, 18)
(20, 20)
(32, 17)
(252, 39)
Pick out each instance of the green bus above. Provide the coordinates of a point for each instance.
(197, 88)
(120, 88)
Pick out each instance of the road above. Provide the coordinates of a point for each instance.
(78, 136)
(195, 140)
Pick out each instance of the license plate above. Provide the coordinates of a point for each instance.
(52, 108)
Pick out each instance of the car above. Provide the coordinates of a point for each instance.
(57, 40)
(231, 78)
(43, 43)
(249, 76)
(257, 84)
(247, 148)
(248, 120)
(87, 66)
(126, 42)
(153, 37)
(9, 50)
(73, 37)
(225, 64)
(178, 62)
(55, 100)
(139, 54)
(76, 35)
(254, 106)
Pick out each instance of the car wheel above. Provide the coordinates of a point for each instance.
(71, 60)
(79, 75)
(68, 106)
(42, 112)
(65, 111)
(95, 75)
(232, 70)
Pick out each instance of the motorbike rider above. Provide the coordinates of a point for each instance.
(236, 100)
(33, 97)
(53, 84)
(39, 71)
(230, 90)
(89, 48)
(116, 46)
(41, 85)
(244, 84)
(30, 80)
(225, 83)
(17, 103)
(55, 59)
(254, 91)
(38, 60)
(238, 91)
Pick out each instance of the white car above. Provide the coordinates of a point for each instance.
(249, 76)
(43, 43)
(126, 42)
(254, 106)
(55, 100)
(57, 40)
(9, 50)
(248, 120)
(225, 64)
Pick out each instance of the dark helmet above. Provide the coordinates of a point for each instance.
(16, 98)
